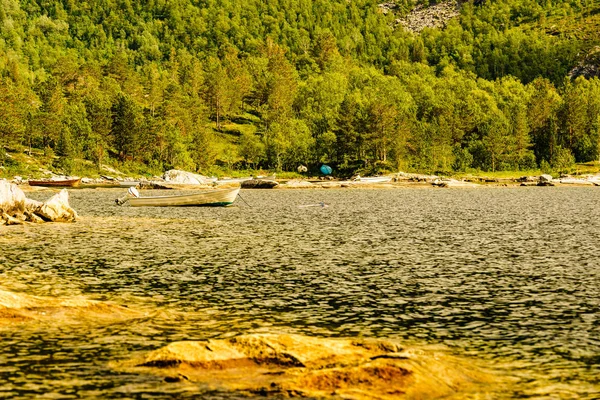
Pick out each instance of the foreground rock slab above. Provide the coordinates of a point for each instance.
(15, 208)
(301, 366)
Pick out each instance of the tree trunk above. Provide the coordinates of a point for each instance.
(218, 114)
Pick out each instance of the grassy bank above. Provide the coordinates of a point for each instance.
(590, 168)
(37, 164)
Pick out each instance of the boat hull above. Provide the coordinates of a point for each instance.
(211, 198)
(374, 179)
(62, 183)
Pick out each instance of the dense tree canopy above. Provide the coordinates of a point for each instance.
(278, 83)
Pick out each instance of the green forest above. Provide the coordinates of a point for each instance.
(222, 85)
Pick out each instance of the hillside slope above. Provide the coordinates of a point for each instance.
(278, 83)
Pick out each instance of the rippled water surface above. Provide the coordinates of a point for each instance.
(510, 276)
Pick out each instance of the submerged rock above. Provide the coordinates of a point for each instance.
(314, 367)
(15, 208)
(20, 307)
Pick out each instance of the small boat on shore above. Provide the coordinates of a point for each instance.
(56, 182)
(372, 179)
(206, 198)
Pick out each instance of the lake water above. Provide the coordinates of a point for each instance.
(509, 276)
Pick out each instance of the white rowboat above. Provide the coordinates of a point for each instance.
(213, 197)
(373, 179)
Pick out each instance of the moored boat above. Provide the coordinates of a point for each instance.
(213, 197)
(56, 182)
(373, 179)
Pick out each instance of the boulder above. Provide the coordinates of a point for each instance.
(526, 179)
(15, 208)
(295, 365)
(259, 184)
(12, 200)
(545, 180)
(184, 177)
(57, 208)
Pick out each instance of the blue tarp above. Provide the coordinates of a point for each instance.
(326, 169)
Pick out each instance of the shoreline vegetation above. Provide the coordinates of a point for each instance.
(32, 168)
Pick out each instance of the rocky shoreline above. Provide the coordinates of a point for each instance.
(183, 180)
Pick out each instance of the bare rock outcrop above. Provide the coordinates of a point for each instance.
(436, 16)
(387, 7)
(15, 208)
(589, 67)
(187, 178)
(301, 366)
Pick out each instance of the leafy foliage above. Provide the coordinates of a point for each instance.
(161, 84)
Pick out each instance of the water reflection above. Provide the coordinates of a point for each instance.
(507, 275)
